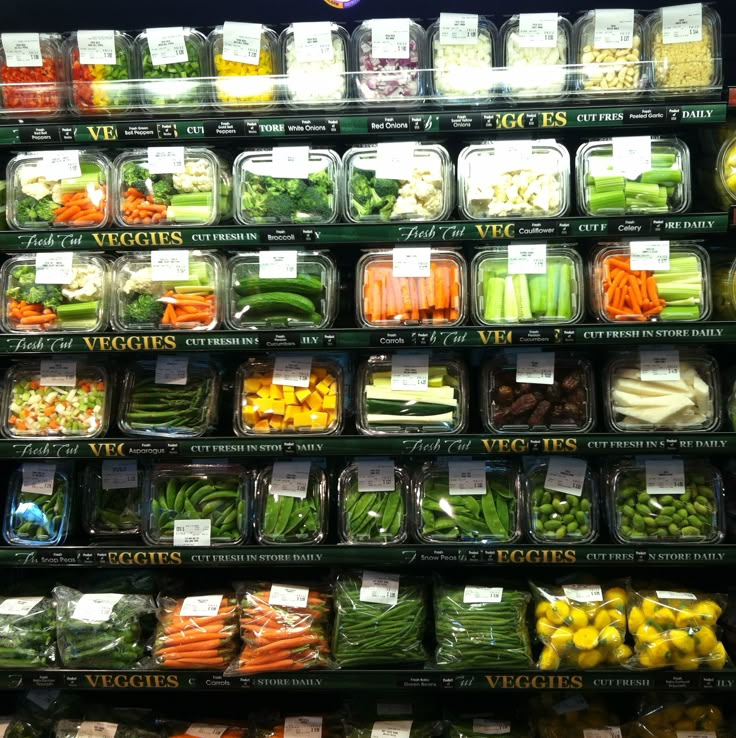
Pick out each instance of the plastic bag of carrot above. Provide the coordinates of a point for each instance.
(199, 632)
(284, 627)
(267, 725)
(203, 730)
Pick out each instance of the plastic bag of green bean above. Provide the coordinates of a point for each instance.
(27, 632)
(111, 505)
(379, 619)
(484, 724)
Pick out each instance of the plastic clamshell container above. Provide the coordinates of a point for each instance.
(285, 519)
(427, 196)
(109, 513)
(33, 519)
(88, 290)
(434, 504)
(369, 517)
(33, 411)
(382, 410)
(34, 90)
(179, 87)
(609, 72)
(559, 517)
(320, 84)
(566, 406)
(308, 203)
(33, 198)
(723, 284)
(101, 89)
(463, 73)
(691, 67)
(197, 417)
(265, 408)
(489, 185)
(502, 298)
(238, 85)
(647, 193)
(215, 492)
(399, 299)
(725, 174)
(139, 303)
(389, 81)
(691, 404)
(686, 281)
(535, 72)
(635, 516)
(307, 301)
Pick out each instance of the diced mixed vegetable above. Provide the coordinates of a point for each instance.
(33, 89)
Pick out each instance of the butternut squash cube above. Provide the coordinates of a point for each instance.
(315, 401)
(303, 420)
(319, 421)
(329, 402)
(276, 422)
(302, 394)
(250, 416)
(264, 392)
(277, 392)
(323, 388)
(262, 426)
(252, 385)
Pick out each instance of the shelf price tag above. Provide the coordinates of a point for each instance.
(58, 372)
(379, 588)
(391, 729)
(613, 29)
(201, 606)
(466, 477)
(192, 532)
(290, 478)
(119, 474)
(538, 30)
(97, 730)
(61, 164)
(583, 592)
(473, 594)
(411, 262)
(650, 256)
(241, 42)
(18, 605)
(394, 160)
(54, 267)
(292, 369)
(410, 372)
(665, 476)
(566, 475)
(96, 47)
(167, 45)
(304, 726)
(38, 479)
(390, 38)
(205, 730)
(490, 727)
(632, 154)
(682, 23)
(277, 264)
(288, 595)
(527, 258)
(290, 162)
(666, 594)
(172, 370)
(169, 266)
(655, 366)
(535, 367)
(95, 608)
(376, 475)
(22, 49)
(458, 28)
(165, 160)
(696, 734)
(313, 42)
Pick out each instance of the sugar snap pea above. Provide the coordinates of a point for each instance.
(109, 512)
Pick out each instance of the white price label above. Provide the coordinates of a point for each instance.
(390, 38)
(200, 606)
(22, 49)
(650, 256)
(379, 588)
(508, 156)
(192, 532)
(38, 479)
(538, 30)
(290, 478)
(290, 162)
(277, 265)
(491, 727)
(172, 370)
(667, 594)
(287, 595)
(682, 23)
(535, 367)
(96, 47)
(304, 726)
(458, 28)
(571, 704)
(119, 474)
(394, 160)
(61, 164)
(54, 267)
(95, 608)
(313, 42)
(393, 708)
(665, 476)
(165, 159)
(466, 477)
(376, 475)
(610, 731)
(656, 366)
(391, 729)
(632, 154)
(167, 45)
(527, 258)
(292, 369)
(97, 730)
(18, 605)
(204, 730)
(696, 734)
(411, 262)
(4, 725)
(566, 475)
(613, 29)
(241, 42)
(58, 372)
(410, 372)
(583, 592)
(473, 595)
(169, 266)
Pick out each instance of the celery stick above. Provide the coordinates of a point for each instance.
(538, 293)
(510, 310)
(80, 184)
(680, 313)
(641, 189)
(564, 293)
(493, 308)
(553, 283)
(487, 278)
(608, 184)
(672, 295)
(82, 311)
(662, 177)
(601, 202)
(663, 160)
(522, 296)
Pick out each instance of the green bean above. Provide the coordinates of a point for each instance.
(28, 640)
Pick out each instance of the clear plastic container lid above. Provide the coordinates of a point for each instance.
(385, 301)
(373, 500)
(111, 503)
(163, 410)
(152, 297)
(641, 511)
(521, 179)
(78, 304)
(446, 511)
(41, 196)
(292, 185)
(240, 85)
(292, 395)
(38, 518)
(101, 88)
(391, 69)
(553, 296)
(261, 297)
(538, 392)
(637, 400)
(422, 188)
(314, 75)
(622, 291)
(63, 397)
(723, 284)
(291, 503)
(193, 495)
(634, 183)
(437, 406)
(561, 501)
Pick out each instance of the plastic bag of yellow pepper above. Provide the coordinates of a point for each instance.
(569, 717)
(677, 629)
(581, 626)
(679, 713)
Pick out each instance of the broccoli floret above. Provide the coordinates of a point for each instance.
(24, 275)
(135, 176)
(30, 210)
(35, 293)
(295, 188)
(321, 181)
(314, 204)
(162, 192)
(386, 187)
(144, 309)
(360, 187)
(387, 208)
(278, 205)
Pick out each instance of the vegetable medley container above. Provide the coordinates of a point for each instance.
(307, 300)
(39, 199)
(513, 179)
(110, 510)
(385, 301)
(621, 291)
(144, 301)
(33, 305)
(270, 191)
(554, 296)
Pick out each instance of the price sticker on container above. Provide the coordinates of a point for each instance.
(313, 42)
(376, 475)
(473, 594)
(119, 474)
(696, 734)
(390, 38)
(290, 478)
(277, 264)
(411, 262)
(4, 725)
(60, 164)
(535, 367)
(96, 47)
(394, 160)
(172, 370)
(95, 608)
(88, 729)
(54, 267)
(410, 372)
(165, 159)
(527, 258)
(206, 730)
(682, 23)
(58, 372)
(665, 476)
(290, 162)
(509, 156)
(466, 477)
(650, 256)
(610, 731)
(292, 369)
(201, 606)
(484, 726)
(167, 45)
(538, 30)
(18, 605)
(666, 594)
(458, 28)
(379, 588)
(613, 29)
(192, 532)
(169, 266)
(583, 592)
(287, 595)
(632, 154)
(566, 475)
(391, 729)
(656, 366)
(304, 726)
(38, 479)
(241, 42)
(22, 49)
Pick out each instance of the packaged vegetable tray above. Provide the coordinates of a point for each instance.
(42, 295)
(294, 184)
(557, 715)
(41, 197)
(725, 174)
(723, 284)
(28, 632)
(111, 500)
(184, 295)
(661, 715)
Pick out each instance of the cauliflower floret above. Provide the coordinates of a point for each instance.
(196, 177)
(85, 285)
(36, 190)
(405, 205)
(140, 281)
